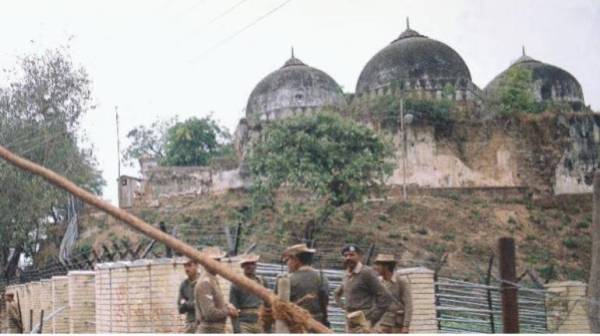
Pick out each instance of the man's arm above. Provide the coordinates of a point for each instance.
(381, 297)
(183, 303)
(324, 299)
(337, 295)
(205, 302)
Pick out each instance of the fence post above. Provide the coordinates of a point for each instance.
(238, 236)
(488, 282)
(509, 292)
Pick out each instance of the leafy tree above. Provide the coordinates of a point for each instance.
(40, 112)
(148, 141)
(515, 93)
(195, 142)
(336, 160)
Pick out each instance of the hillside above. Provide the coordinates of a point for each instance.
(552, 234)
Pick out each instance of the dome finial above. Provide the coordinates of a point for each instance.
(407, 23)
(292, 52)
(523, 48)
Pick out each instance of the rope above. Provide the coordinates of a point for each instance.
(295, 317)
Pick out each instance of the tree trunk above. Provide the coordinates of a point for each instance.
(594, 283)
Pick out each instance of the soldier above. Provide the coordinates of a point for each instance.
(185, 301)
(211, 309)
(247, 303)
(309, 289)
(366, 298)
(397, 317)
(14, 319)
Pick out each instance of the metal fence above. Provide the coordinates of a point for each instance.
(466, 307)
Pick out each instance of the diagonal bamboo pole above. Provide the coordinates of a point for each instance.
(153, 232)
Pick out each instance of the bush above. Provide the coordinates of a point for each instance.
(570, 243)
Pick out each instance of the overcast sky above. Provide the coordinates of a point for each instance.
(157, 59)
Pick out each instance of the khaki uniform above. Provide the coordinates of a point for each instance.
(186, 292)
(211, 309)
(399, 313)
(363, 292)
(248, 305)
(14, 321)
(309, 289)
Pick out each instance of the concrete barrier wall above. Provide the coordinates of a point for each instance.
(422, 290)
(82, 302)
(60, 299)
(46, 304)
(566, 306)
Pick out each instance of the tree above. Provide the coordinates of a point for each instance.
(515, 93)
(148, 141)
(336, 160)
(40, 112)
(193, 142)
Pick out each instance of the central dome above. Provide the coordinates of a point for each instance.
(294, 88)
(414, 60)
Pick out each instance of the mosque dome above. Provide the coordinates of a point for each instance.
(293, 88)
(414, 60)
(550, 83)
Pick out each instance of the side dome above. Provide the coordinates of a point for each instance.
(294, 88)
(550, 83)
(414, 61)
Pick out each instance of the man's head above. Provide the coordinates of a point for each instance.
(9, 297)
(352, 256)
(385, 264)
(191, 268)
(297, 256)
(249, 265)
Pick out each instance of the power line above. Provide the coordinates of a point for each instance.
(227, 11)
(238, 32)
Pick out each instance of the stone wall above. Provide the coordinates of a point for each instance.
(551, 154)
(566, 307)
(422, 290)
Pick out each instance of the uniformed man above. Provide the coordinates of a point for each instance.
(397, 317)
(211, 309)
(309, 289)
(185, 300)
(365, 297)
(247, 303)
(15, 325)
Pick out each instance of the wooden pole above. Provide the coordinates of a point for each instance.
(508, 275)
(594, 282)
(152, 232)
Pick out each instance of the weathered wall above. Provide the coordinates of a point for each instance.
(581, 157)
(435, 164)
(566, 307)
(551, 154)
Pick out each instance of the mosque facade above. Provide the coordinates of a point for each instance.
(418, 67)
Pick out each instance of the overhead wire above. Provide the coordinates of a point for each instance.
(240, 31)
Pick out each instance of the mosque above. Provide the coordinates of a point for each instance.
(419, 67)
